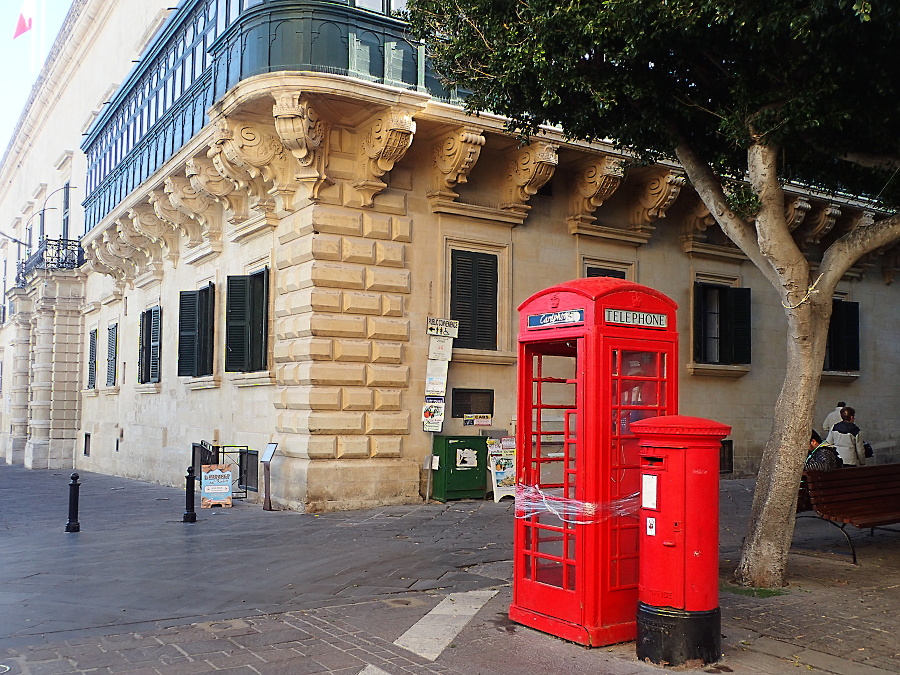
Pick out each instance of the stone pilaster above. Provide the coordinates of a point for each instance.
(341, 330)
(21, 389)
(37, 449)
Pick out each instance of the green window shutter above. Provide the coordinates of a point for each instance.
(155, 343)
(843, 337)
(735, 325)
(188, 325)
(699, 323)
(92, 360)
(143, 348)
(111, 348)
(259, 320)
(473, 299)
(237, 324)
(206, 314)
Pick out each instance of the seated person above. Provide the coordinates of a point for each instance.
(821, 456)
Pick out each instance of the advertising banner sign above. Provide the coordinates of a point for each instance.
(215, 485)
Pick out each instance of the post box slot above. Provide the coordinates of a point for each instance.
(653, 462)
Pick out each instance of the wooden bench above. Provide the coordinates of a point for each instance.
(862, 496)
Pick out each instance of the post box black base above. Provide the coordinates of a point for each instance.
(672, 637)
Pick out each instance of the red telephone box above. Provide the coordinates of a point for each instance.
(595, 355)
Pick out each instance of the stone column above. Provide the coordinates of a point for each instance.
(37, 449)
(21, 378)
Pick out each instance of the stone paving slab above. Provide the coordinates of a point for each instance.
(248, 591)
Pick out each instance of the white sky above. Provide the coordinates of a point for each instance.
(24, 57)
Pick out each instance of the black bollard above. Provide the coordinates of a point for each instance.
(190, 516)
(73, 525)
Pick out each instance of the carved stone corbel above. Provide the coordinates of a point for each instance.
(305, 134)
(206, 179)
(594, 182)
(120, 248)
(146, 222)
(125, 269)
(528, 171)
(454, 156)
(197, 205)
(151, 250)
(94, 263)
(654, 198)
(817, 226)
(386, 142)
(795, 211)
(258, 161)
(179, 220)
(697, 220)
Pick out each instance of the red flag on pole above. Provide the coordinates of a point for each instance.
(26, 18)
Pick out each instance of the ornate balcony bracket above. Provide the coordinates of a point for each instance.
(199, 206)
(528, 172)
(206, 179)
(388, 138)
(305, 134)
(257, 162)
(146, 222)
(654, 198)
(179, 220)
(93, 262)
(124, 270)
(454, 156)
(816, 226)
(151, 250)
(795, 210)
(595, 180)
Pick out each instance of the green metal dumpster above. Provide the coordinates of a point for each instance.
(462, 467)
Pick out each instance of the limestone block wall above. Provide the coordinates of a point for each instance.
(341, 334)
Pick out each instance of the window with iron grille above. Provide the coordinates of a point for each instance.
(111, 347)
(247, 322)
(471, 402)
(92, 360)
(721, 324)
(196, 331)
(150, 343)
(473, 298)
(842, 351)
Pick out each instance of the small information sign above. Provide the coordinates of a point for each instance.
(641, 319)
(436, 378)
(477, 420)
(215, 485)
(443, 327)
(440, 348)
(433, 413)
(502, 466)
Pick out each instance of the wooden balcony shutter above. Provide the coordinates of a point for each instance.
(237, 324)
(111, 348)
(735, 345)
(473, 299)
(155, 342)
(188, 304)
(92, 360)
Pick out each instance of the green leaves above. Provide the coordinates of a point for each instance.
(817, 77)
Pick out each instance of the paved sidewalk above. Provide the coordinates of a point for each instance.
(255, 592)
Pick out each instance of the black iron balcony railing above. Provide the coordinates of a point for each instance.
(51, 254)
(207, 47)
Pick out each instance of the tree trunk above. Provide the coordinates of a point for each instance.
(771, 527)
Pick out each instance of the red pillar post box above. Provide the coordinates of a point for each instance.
(595, 355)
(678, 617)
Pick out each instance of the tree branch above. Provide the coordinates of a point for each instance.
(847, 250)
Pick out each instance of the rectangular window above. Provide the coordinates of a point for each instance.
(87, 445)
(842, 351)
(473, 298)
(247, 322)
(196, 331)
(594, 271)
(721, 324)
(92, 360)
(149, 345)
(471, 402)
(65, 211)
(111, 348)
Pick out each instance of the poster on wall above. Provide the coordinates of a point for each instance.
(433, 413)
(215, 485)
(502, 466)
(440, 348)
(477, 420)
(436, 378)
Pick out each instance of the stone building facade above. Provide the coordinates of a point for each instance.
(277, 197)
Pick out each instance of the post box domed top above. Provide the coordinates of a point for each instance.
(677, 425)
(595, 288)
